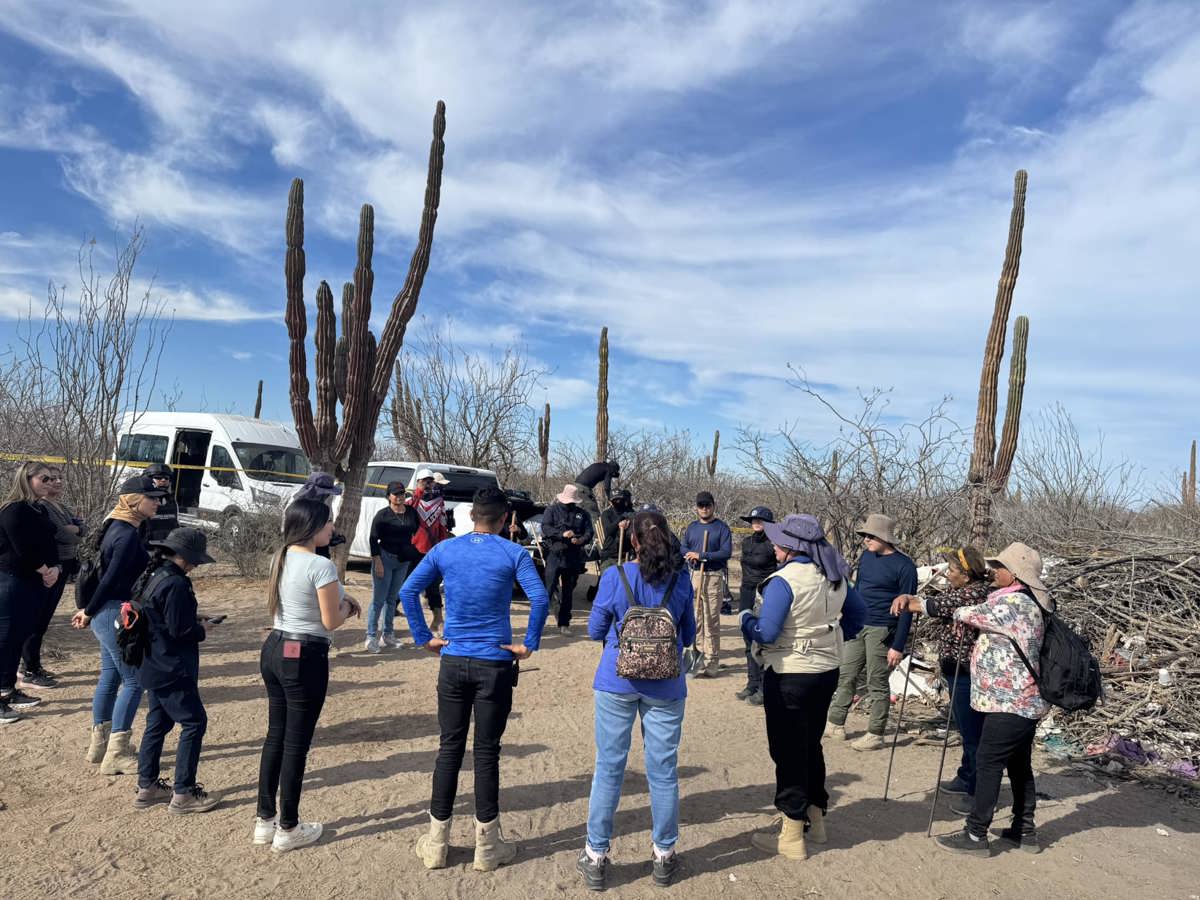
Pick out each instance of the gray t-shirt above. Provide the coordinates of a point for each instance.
(302, 574)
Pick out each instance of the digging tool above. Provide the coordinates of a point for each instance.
(697, 661)
(887, 782)
(621, 547)
(937, 785)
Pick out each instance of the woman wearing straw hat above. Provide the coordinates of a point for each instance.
(884, 573)
(1005, 691)
(798, 636)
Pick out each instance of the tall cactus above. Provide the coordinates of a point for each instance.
(258, 401)
(353, 370)
(602, 400)
(543, 436)
(989, 472)
(1189, 481)
(710, 462)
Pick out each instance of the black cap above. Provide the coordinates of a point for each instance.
(396, 488)
(141, 484)
(760, 512)
(190, 543)
(704, 498)
(159, 470)
(622, 495)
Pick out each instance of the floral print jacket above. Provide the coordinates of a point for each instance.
(955, 641)
(1000, 681)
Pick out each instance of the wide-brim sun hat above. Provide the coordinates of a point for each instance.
(880, 527)
(569, 494)
(190, 543)
(794, 529)
(762, 513)
(1025, 563)
(438, 477)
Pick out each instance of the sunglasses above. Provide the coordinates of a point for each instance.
(48, 479)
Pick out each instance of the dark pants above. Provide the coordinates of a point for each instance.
(1007, 743)
(465, 686)
(19, 602)
(562, 571)
(968, 720)
(746, 597)
(433, 591)
(31, 653)
(295, 694)
(796, 706)
(176, 704)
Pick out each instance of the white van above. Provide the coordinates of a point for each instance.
(259, 463)
(464, 482)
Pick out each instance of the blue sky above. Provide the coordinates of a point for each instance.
(730, 187)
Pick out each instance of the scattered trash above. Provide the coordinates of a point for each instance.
(1163, 832)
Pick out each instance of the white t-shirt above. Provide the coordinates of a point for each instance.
(299, 612)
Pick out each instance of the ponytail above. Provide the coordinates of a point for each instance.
(157, 558)
(656, 557)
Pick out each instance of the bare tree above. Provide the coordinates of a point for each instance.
(81, 367)
(469, 409)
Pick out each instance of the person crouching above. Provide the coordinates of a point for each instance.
(170, 673)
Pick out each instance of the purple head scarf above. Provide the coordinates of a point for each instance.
(804, 534)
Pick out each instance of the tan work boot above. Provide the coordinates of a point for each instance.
(816, 825)
(491, 849)
(835, 732)
(120, 758)
(788, 842)
(868, 741)
(99, 743)
(433, 847)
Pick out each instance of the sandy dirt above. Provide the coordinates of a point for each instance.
(71, 832)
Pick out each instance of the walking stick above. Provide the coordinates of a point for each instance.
(700, 597)
(937, 785)
(899, 721)
(621, 547)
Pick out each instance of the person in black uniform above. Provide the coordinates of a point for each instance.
(166, 519)
(587, 480)
(758, 562)
(170, 673)
(566, 530)
(614, 522)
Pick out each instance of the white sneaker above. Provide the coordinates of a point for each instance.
(371, 645)
(302, 835)
(264, 829)
(392, 642)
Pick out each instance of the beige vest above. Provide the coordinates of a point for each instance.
(811, 639)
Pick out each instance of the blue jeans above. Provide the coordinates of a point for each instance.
(662, 724)
(119, 691)
(384, 592)
(968, 720)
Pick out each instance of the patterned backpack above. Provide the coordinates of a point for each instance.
(647, 641)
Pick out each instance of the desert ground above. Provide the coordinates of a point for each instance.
(71, 832)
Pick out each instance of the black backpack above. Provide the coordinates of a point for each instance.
(132, 625)
(1069, 675)
(87, 579)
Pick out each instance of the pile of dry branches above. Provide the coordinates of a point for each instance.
(1140, 608)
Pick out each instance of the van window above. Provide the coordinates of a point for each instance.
(147, 448)
(382, 476)
(222, 460)
(464, 483)
(279, 465)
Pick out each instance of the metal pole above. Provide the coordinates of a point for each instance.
(937, 785)
(899, 721)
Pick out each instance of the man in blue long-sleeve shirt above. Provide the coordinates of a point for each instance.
(707, 545)
(478, 667)
(884, 573)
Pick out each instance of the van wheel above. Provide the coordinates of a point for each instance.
(231, 525)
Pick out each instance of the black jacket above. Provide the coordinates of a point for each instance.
(164, 522)
(26, 540)
(596, 473)
(123, 559)
(560, 517)
(611, 519)
(169, 605)
(758, 560)
(394, 532)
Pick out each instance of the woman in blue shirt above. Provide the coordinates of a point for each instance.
(654, 580)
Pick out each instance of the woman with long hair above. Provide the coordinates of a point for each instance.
(307, 604)
(652, 579)
(28, 568)
(122, 561)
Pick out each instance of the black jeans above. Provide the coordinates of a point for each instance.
(19, 599)
(175, 704)
(31, 653)
(796, 706)
(746, 596)
(484, 687)
(968, 720)
(565, 571)
(295, 694)
(1007, 743)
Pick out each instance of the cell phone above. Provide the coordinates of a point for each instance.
(216, 620)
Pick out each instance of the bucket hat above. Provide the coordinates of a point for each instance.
(319, 485)
(570, 494)
(880, 527)
(190, 543)
(1026, 565)
(759, 512)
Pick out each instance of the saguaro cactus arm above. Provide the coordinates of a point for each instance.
(325, 341)
(357, 331)
(602, 400)
(297, 321)
(1012, 407)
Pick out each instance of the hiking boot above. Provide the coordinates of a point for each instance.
(99, 742)
(816, 825)
(564, 629)
(665, 868)
(433, 847)
(491, 849)
(835, 732)
(961, 806)
(755, 699)
(196, 800)
(1022, 839)
(962, 842)
(18, 699)
(392, 642)
(8, 715)
(120, 758)
(868, 741)
(595, 873)
(159, 792)
(302, 835)
(264, 829)
(744, 693)
(956, 786)
(788, 842)
(37, 680)
(712, 670)
(371, 644)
